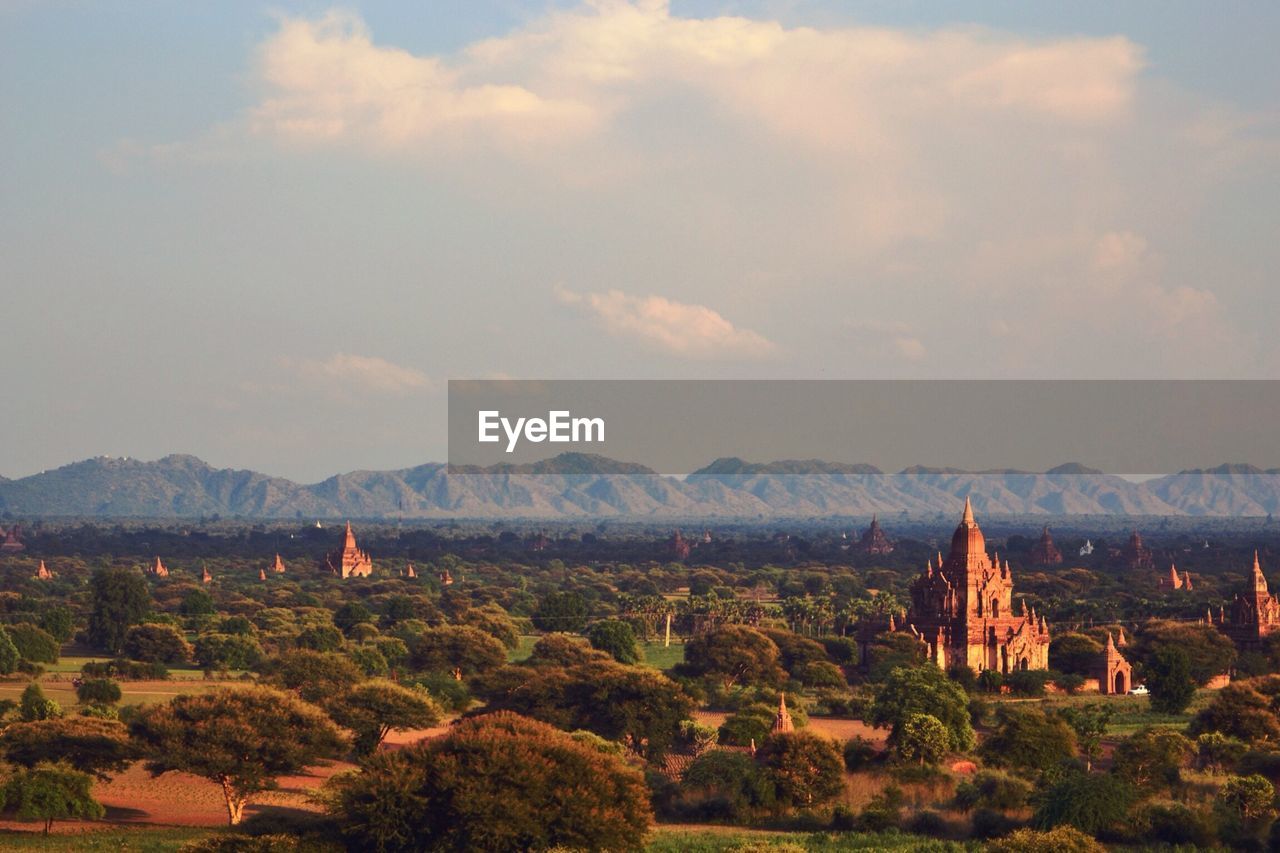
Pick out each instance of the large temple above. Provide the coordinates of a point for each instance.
(349, 561)
(1253, 615)
(962, 609)
(874, 541)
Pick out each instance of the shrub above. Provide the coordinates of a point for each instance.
(101, 691)
(156, 644)
(1064, 839)
(34, 644)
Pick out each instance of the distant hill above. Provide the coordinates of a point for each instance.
(584, 485)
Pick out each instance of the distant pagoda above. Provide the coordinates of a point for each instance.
(1044, 552)
(873, 541)
(158, 569)
(1175, 581)
(1136, 555)
(12, 541)
(278, 565)
(43, 572)
(678, 547)
(349, 561)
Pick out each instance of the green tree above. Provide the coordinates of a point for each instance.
(807, 770)
(59, 622)
(994, 790)
(34, 705)
(1029, 738)
(316, 676)
(562, 611)
(562, 650)
(8, 653)
(1209, 652)
(924, 738)
(223, 652)
(1063, 839)
(732, 778)
(1217, 752)
(733, 654)
(34, 644)
(456, 648)
(119, 599)
(89, 744)
(1238, 710)
(493, 620)
(1091, 802)
(157, 644)
(1153, 758)
(51, 792)
(374, 708)
(1169, 679)
(351, 614)
(241, 738)
(98, 691)
(615, 637)
(320, 638)
(1075, 653)
(1089, 722)
(923, 690)
(197, 602)
(494, 783)
(1247, 797)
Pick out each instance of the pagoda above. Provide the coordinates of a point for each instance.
(205, 576)
(278, 565)
(782, 720)
(1115, 674)
(349, 561)
(12, 542)
(1175, 581)
(1136, 555)
(43, 572)
(873, 540)
(962, 609)
(1045, 552)
(678, 547)
(1254, 613)
(159, 570)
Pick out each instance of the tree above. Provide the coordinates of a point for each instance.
(734, 778)
(923, 690)
(320, 638)
(1075, 653)
(33, 705)
(615, 637)
(1218, 752)
(1209, 652)
(157, 644)
(889, 651)
(562, 650)
(1169, 679)
(1153, 758)
(1029, 738)
(227, 651)
(316, 676)
(241, 738)
(807, 770)
(992, 789)
(119, 600)
(493, 620)
(374, 708)
(197, 602)
(1090, 802)
(51, 792)
(59, 622)
(8, 653)
(495, 782)
(89, 744)
(1089, 722)
(351, 614)
(456, 648)
(34, 644)
(98, 691)
(562, 611)
(923, 737)
(1063, 839)
(1238, 710)
(733, 654)
(1247, 797)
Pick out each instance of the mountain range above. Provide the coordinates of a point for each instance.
(582, 485)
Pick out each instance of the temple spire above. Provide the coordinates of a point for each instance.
(968, 511)
(782, 722)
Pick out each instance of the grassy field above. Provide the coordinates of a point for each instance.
(683, 839)
(141, 840)
(1133, 712)
(69, 665)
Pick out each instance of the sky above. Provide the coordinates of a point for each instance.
(268, 235)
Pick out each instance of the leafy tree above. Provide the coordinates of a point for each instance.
(1075, 653)
(320, 638)
(351, 614)
(549, 789)
(98, 691)
(1218, 752)
(1089, 722)
(750, 724)
(923, 737)
(1238, 710)
(157, 644)
(1063, 839)
(923, 690)
(119, 600)
(89, 744)
(641, 707)
(732, 778)
(8, 653)
(197, 602)
(242, 738)
(34, 644)
(562, 650)
(456, 648)
(33, 705)
(59, 622)
(238, 625)
(51, 792)
(615, 637)
(374, 708)
(562, 611)
(493, 620)
(227, 651)
(1169, 679)
(316, 676)
(1209, 652)
(733, 654)
(1091, 802)
(992, 789)
(807, 770)
(1153, 758)
(1247, 797)
(1029, 738)
(369, 659)
(889, 651)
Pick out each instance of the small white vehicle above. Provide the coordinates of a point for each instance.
(1140, 690)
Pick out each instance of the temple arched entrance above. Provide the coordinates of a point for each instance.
(1121, 683)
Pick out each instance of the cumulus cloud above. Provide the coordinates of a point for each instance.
(347, 373)
(693, 331)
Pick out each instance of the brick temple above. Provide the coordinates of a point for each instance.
(874, 541)
(1045, 552)
(349, 561)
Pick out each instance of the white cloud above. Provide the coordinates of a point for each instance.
(692, 331)
(345, 373)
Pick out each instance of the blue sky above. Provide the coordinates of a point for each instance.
(268, 235)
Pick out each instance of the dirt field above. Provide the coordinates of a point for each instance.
(841, 730)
